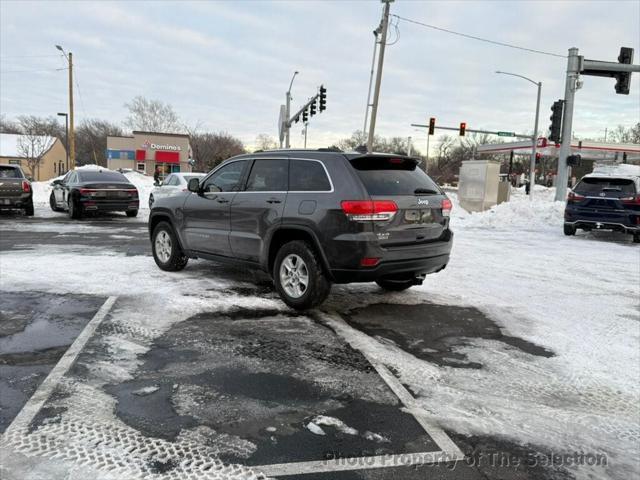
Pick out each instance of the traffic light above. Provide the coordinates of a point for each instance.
(463, 128)
(305, 117)
(313, 109)
(556, 121)
(323, 98)
(574, 160)
(432, 125)
(297, 119)
(623, 79)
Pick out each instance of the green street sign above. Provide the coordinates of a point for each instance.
(506, 134)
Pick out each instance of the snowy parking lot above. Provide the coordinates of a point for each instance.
(519, 360)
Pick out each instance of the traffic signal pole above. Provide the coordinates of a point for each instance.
(573, 70)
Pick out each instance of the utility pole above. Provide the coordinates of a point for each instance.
(573, 71)
(71, 136)
(376, 32)
(304, 132)
(376, 92)
(408, 146)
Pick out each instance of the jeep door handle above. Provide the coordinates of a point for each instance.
(274, 200)
(222, 200)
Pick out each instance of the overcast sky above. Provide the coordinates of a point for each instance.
(227, 65)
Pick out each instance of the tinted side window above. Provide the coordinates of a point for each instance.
(226, 179)
(308, 176)
(268, 176)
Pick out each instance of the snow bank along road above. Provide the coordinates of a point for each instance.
(523, 355)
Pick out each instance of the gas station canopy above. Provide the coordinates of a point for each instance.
(597, 151)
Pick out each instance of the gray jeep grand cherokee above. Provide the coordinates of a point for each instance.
(310, 218)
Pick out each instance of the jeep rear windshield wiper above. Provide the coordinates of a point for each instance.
(424, 191)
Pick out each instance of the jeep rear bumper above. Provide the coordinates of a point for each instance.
(411, 268)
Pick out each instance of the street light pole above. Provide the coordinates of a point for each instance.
(534, 138)
(71, 139)
(66, 136)
(288, 115)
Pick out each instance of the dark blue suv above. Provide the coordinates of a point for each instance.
(604, 201)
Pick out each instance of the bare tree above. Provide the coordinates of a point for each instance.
(91, 141)
(8, 126)
(265, 142)
(210, 149)
(152, 116)
(625, 135)
(32, 144)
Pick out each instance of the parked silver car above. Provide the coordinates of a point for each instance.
(172, 185)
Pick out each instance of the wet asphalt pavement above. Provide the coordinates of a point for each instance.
(248, 386)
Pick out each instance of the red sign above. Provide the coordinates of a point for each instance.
(167, 157)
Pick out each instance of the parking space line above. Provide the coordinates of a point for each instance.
(448, 447)
(44, 391)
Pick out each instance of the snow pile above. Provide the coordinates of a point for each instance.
(520, 213)
(144, 184)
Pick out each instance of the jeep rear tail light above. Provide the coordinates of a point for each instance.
(26, 188)
(446, 207)
(366, 210)
(575, 197)
(634, 200)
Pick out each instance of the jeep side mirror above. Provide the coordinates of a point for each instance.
(56, 182)
(194, 185)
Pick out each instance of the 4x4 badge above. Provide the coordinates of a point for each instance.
(423, 201)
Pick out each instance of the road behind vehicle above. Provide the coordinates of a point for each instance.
(174, 184)
(608, 199)
(310, 219)
(87, 190)
(15, 189)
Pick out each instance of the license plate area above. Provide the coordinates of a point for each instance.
(418, 216)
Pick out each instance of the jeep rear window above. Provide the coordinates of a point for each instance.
(102, 176)
(393, 176)
(595, 186)
(10, 172)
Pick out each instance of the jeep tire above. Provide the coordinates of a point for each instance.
(167, 252)
(569, 229)
(298, 276)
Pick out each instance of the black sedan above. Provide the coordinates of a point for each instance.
(82, 191)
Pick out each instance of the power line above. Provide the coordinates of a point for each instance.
(473, 37)
(34, 71)
(29, 56)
